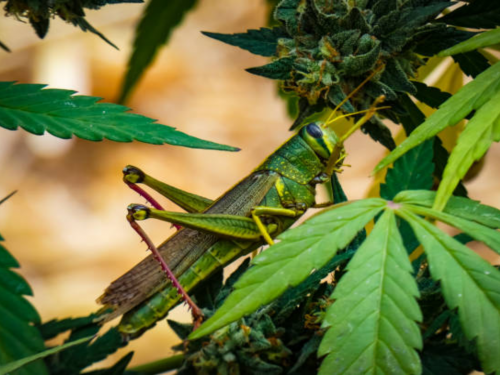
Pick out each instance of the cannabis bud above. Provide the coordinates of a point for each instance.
(323, 49)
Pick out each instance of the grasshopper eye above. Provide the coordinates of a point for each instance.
(314, 130)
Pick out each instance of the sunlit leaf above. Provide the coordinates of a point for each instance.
(457, 206)
(470, 97)
(62, 114)
(469, 284)
(373, 319)
(472, 144)
(482, 40)
(287, 263)
(490, 237)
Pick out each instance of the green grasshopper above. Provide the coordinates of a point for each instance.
(214, 233)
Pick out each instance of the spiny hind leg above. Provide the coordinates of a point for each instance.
(131, 217)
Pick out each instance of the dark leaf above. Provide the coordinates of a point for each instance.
(63, 115)
(261, 42)
(472, 63)
(432, 96)
(117, 369)
(449, 359)
(182, 330)
(85, 26)
(158, 21)
(18, 338)
(478, 14)
(54, 327)
(75, 359)
(278, 69)
(41, 26)
(436, 42)
(206, 293)
(413, 171)
(379, 133)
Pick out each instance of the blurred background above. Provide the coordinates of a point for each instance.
(66, 225)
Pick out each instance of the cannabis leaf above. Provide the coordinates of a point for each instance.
(158, 21)
(456, 206)
(18, 337)
(478, 14)
(372, 322)
(287, 263)
(21, 363)
(63, 115)
(488, 38)
(482, 95)
(261, 42)
(469, 283)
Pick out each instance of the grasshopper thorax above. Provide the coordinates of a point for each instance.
(321, 139)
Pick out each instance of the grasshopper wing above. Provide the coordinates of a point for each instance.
(183, 248)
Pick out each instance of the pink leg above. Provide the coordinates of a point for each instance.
(196, 311)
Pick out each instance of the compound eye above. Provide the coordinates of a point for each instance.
(314, 130)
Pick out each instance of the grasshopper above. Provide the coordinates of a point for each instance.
(212, 234)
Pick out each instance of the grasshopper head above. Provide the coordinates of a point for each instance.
(138, 212)
(133, 174)
(322, 140)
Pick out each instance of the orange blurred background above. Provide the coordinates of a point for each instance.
(66, 225)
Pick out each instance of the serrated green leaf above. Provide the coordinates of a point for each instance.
(54, 327)
(412, 171)
(478, 14)
(287, 263)
(261, 42)
(18, 337)
(481, 131)
(63, 115)
(458, 206)
(482, 40)
(470, 97)
(469, 283)
(373, 319)
(19, 364)
(75, 359)
(490, 237)
(472, 63)
(158, 21)
(432, 96)
(278, 69)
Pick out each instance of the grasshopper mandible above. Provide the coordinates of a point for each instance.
(214, 233)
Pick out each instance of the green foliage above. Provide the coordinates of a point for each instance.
(158, 21)
(21, 363)
(373, 320)
(290, 261)
(323, 51)
(63, 115)
(478, 14)
(412, 171)
(469, 283)
(261, 42)
(486, 39)
(18, 338)
(39, 13)
(481, 95)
